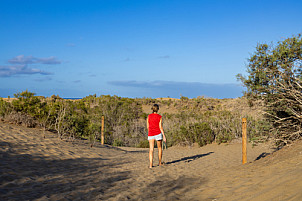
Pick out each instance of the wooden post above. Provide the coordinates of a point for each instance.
(102, 131)
(244, 158)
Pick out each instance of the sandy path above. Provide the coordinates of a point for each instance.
(34, 168)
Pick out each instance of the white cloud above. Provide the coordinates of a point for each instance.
(21, 59)
(7, 71)
(21, 65)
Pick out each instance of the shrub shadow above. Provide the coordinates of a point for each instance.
(167, 188)
(189, 158)
(28, 177)
(263, 155)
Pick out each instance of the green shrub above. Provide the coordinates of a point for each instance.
(117, 143)
(5, 108)
(203, 133)
(125, 122)
(143, 144)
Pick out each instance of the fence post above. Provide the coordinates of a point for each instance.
(102, 131)
(244, 158)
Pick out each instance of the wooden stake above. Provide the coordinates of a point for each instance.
(102, 131)
(244, 158)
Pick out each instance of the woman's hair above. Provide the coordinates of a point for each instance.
(155, 108)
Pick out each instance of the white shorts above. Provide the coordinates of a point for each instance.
(156, 137)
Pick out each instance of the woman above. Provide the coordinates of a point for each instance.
(155, 132)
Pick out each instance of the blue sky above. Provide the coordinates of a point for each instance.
(136, 48)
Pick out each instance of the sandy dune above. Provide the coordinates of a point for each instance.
(34, 168)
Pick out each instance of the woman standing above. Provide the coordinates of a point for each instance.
(155, 132)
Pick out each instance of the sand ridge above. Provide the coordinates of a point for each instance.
(37, 168)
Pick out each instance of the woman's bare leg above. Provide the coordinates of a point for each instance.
(160, 151)
(151, 150)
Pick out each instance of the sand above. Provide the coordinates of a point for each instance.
(34, 168)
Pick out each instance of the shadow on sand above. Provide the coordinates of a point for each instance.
(28, 177)
(263, 155)
(189, 158)
(170, 188)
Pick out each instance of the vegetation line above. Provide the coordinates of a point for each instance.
(186, 121)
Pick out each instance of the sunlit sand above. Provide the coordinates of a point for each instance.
(34, 168)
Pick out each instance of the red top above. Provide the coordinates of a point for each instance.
(154, 120)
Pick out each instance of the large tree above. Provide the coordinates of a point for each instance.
(274, 76)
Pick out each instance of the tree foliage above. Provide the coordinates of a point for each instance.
(274, 76)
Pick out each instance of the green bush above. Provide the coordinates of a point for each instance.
(117, 143)
(143, 144)
(5, 108)
(200, 133)
(198, 120)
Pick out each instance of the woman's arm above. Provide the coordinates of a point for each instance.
(148, 123)
(162, 130)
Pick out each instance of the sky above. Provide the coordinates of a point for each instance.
(136, 48)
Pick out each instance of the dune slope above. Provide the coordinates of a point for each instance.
(37, 168)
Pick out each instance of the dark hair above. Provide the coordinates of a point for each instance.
(155, 108)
